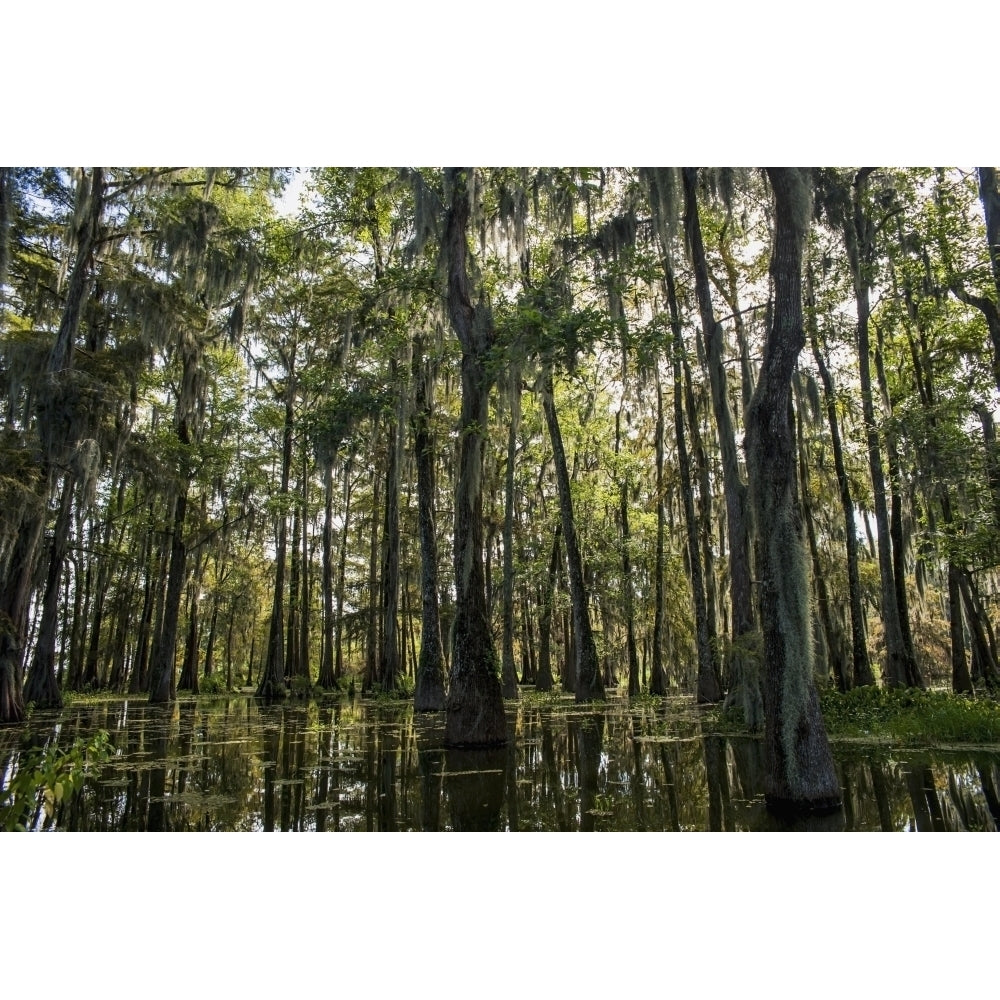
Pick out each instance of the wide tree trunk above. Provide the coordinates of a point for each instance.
(799, 770)
(475, 712)
(589, 683)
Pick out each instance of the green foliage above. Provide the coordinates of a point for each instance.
(910, 716)
(214, 683)
(48, 776)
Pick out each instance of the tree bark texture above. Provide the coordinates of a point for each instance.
(799, 772)
(989, 192)
(474, 709)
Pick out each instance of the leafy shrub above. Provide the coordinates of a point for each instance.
(51, 774)
(212, 684)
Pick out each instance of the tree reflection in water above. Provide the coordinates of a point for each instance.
(233, 764)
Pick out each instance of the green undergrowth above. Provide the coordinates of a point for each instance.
(95, 697)
(554, 696)
(910, 716)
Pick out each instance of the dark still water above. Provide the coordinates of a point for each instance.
(233, 764)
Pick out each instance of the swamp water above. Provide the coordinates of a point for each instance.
(230, 763)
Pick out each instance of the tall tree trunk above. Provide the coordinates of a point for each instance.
(155, 572)
(896, 532)
(832, 632)
(294, 596)
(989, 192)
(41, 687)
(862, 670)
(161, 690)
(529, 671)
(709, 688)
(6, 213)
(589, 683)
(706, 534)
(658, 676)
(389, 658)
(800, 774)
(474, 710)
(15, 596)
(859, 252)
(508, 672)
(272, 679)
(544, 681)
(428, 694)
(189, 670)
(742, 669)
(631, 653)
(327, 679)
(213, 627)
(304, 604)
(338, 650)
(90, 207)
(371, 636)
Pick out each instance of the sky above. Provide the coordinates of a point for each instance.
(526, 82)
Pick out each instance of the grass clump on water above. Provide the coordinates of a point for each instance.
(910, 715)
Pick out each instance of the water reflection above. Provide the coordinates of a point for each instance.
(474, 782)
(345, 765)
